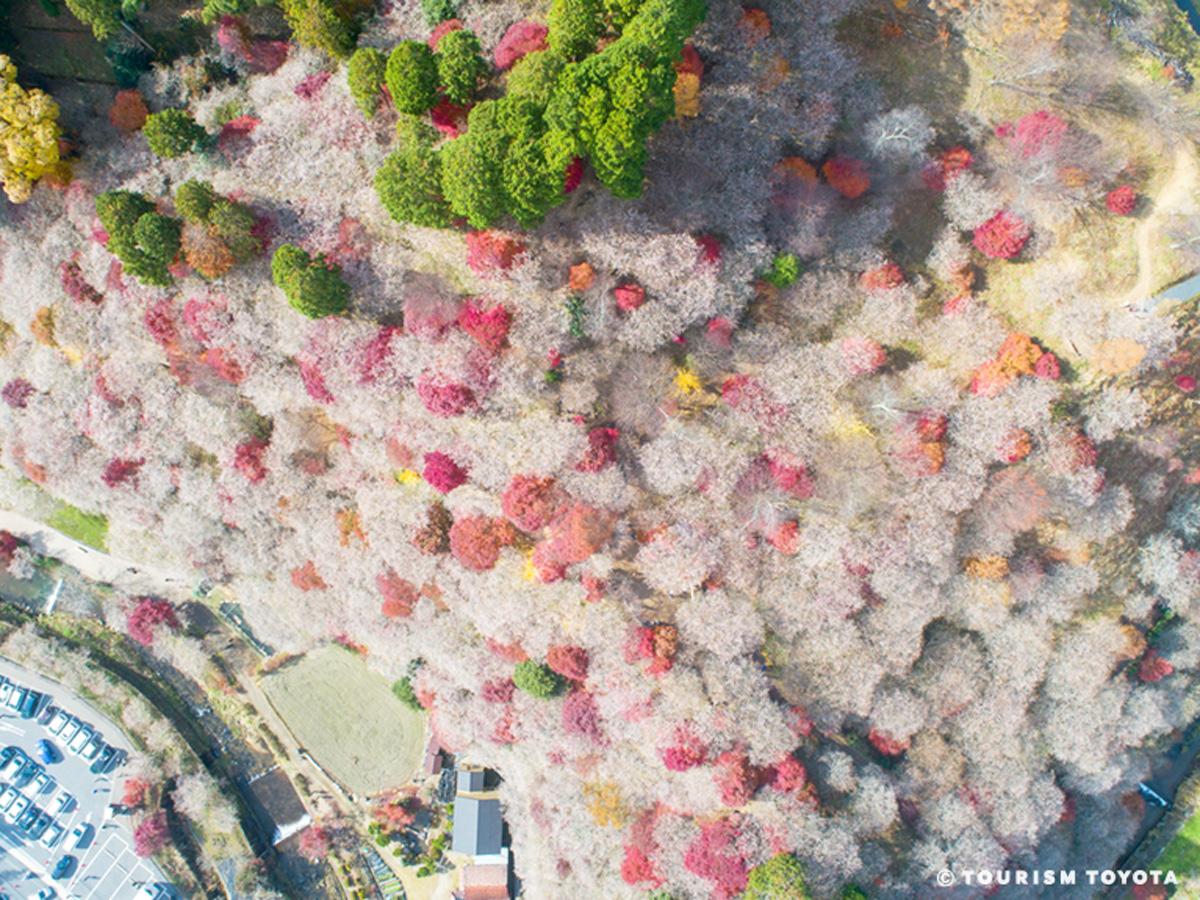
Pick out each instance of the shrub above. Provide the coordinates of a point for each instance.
(321, 24)
(779, 878)
(365, 74)
(313, 287)
(409, 181)
(785, 269)
(412, 77)
(533, 76)
(460, 65)
(172, 133)
(158, 237)
(406, 694)
(436, 11)
(537, 679)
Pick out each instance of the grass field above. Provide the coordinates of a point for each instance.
(1182, 855)
(346, 716)
(86, 528)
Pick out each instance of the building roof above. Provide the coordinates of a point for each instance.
(470, 780)
(484, 882)
(478, 826)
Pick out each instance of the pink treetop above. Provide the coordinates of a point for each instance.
(489, 327)
(248, 459)
(629, 296)
(736, 779)
(862, 356)
(445, 399)
(602, 450)
(17, 392)
(147, 615)
(121, 471)
(475, 541)
(686, 751)
(443, 473)
(714, 856)
(1038, 132)
(581, 717)
(636, 867)
(492, 251)
(151, 834)
(521, 39)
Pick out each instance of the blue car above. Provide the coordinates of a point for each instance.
(46, 751)
(30, 705)
(63, 867)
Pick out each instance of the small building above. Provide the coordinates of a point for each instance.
(478, 825)
(484, 881)
(433, 757)
(470, 780)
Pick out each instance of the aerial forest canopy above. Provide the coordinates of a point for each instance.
(761, 433)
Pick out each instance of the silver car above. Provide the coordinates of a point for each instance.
(58, 723)
(18, 808)
(53, 835)
(70, 730)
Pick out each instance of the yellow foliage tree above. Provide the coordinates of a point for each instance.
(605, 804)
(28, 134)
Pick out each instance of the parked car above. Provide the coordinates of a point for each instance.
(7, 796)
(62, 803)
(151, 892)
(28, 818)
(104, 761)
(6, 754)
(63, 867)
(28, 771)
(6, 689)
(44, 783)
(38, 828)
(58, 722)
(80, 740)
(80, 835)
(46, 893)
(16, 698)
(46, 751)
(53, 835)
(29, 706)
(69, 730)
(93, 747)
(18, 808)
(14, 764)
(47, 714)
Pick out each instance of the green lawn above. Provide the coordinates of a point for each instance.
(1182, 855)
(347, 717)
(87, 528)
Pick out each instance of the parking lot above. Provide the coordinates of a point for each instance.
(60, 763)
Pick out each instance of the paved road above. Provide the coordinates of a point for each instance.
(107, 867)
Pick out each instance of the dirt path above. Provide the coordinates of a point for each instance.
(1178, 192)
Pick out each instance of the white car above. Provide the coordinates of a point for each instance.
(80, 740)
(53, 835)
(93, 747)
(78, 835)
(6, 690)
(18, 808)
(58, 723)
(62, 803)
(7, 796)
(16, 698)
(69, 730)
(13, 766)
(44, 783)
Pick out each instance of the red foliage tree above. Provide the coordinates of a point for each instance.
(531, 502)
(151, 834)
(886, 744)
(1154, 667)
(602, 450)
(133, 792)
(568, 661)
(636, 867)
(445, 399)
(521, 39)
(847, 176)
(1003, 236)
(884, 278)
(629, 296)
(248, 459)
(1036, 133)
(475, 541)
(119, 471)
(491, 251)
(736, 778)
(307, 578)
(1121, 201)
(399, 595)
(147, 614)
(788, 775)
